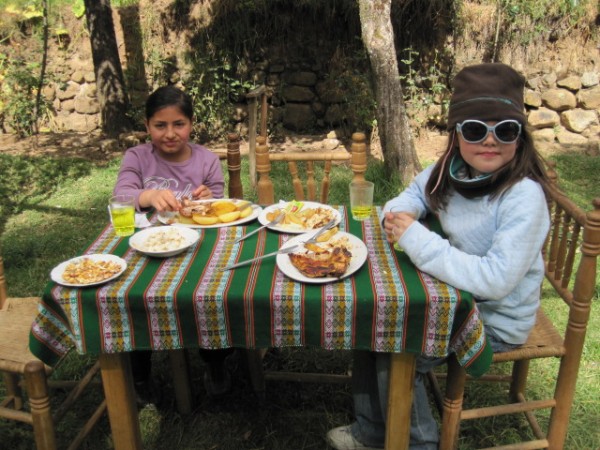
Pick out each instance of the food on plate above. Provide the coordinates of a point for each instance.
(308, 218)
(328, 259)
(163, 241)
(86, 271)
(202, 212)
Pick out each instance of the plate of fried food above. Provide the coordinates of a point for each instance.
(213, 213)
(162, 242)
(298, 217)
(334, 256)
(88, 270)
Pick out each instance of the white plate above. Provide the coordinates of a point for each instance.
(294, 229)
(57, 273)
(357, 248)
(138, 240)
(171, 218)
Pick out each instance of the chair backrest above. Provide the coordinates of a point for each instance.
(572, 243)
(307, 189)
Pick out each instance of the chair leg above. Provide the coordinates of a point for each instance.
(37, 388)
(453, 401)
(14, 392)
(519, 379)
(181, 381)
(254, 362)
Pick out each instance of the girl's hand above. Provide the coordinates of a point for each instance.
(395, 225)
(160, 199)
(202, 193)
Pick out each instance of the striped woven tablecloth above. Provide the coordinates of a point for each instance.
(186, 301)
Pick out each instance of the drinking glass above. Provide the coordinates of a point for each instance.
(122, 214)
(361, 199)
(396, 245)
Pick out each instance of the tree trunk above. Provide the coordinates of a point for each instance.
(110, 84)
(394, 130)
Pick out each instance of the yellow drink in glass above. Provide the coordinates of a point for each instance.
(122, 214)
(361, 212)
(123, 220)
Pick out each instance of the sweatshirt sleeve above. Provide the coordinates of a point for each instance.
(521, 228)
(412, 199)
(129, 180)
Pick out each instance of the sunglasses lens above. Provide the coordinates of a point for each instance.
(473, 131)
(507, 131)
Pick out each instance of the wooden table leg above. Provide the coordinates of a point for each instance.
(120, 401)
(181, 381)
(400, 394)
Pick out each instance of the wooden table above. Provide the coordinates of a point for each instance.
(187, 301)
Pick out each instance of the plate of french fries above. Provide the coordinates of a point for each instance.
(88, 270)
(214, 213)
(299, 216)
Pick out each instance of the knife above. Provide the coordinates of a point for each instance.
(275, 221)
(281, 251)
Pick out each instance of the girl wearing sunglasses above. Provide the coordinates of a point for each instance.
(487, 190)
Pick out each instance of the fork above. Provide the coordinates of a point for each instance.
(275, 221)
(325, 227)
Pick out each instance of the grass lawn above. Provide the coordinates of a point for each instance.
(56, 209)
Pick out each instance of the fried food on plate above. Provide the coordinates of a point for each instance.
(86, 271)
(308, 218)
(213, 212)
(329, 259)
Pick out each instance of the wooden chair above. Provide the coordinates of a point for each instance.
(17, 363)
(572, 229)
(308, 189)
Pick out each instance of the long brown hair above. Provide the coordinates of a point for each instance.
(526, 163)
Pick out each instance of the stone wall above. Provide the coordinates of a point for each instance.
(564, 110)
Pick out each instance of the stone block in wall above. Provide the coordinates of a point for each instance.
(543, 136)
(549, 80)
(589, 98)
(297, 94)
(543, 118)
(578, 120)
(565, 137)
(83, 123)
(68, 91)
(49, 92)
(559, 99)
(86, 105)
(329, 92)
(77, 77)
(572, 83)
(319, 109)
(302, 78)
(68, 106)
(89, 77)
(298, 116)
(589, 79)
(532, 98)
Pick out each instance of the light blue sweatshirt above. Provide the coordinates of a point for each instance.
(493, 250)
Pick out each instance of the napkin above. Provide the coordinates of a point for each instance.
(141, 221)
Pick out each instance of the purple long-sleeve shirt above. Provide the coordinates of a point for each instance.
(143, 169)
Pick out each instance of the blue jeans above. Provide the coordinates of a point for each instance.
(370, 375)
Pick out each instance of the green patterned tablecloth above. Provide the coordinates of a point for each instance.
(187, 302)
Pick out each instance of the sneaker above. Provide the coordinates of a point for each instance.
(341, 438)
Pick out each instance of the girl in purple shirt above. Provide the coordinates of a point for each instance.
(159, 174)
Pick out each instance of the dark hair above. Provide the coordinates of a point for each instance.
(169, 96)
(526, 163)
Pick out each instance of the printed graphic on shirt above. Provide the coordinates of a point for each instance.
(161, 183)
